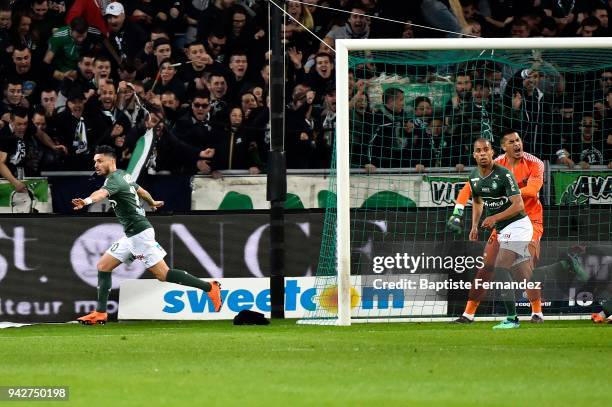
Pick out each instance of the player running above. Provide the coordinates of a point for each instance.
(139, 240)
(529, 173)
(495, 187)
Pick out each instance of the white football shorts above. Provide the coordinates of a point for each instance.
(141, 247)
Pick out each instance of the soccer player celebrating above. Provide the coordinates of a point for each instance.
(494, 187)
(529, 172)
(139, 240)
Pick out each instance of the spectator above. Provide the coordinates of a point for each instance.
(323, 74)
(102, 112)
(21, 34)
(459, 105)
(589, 27)
(526, 109)
(169, 81)
(248, 103)
(238, 78)
(128, 97)
(299, 135)
(92, 11)
(125, 37)
(196, 130)
(161, 50)
(423, 110)
(48, 99)
(387, 147)
(601, 13)
(16, 145)
(167, 154)
(71, 129)
(216, 46)
(102, 70)
(447, 16)
(44, 20)
(31, 79)
(587, 147)
(65, 47)
(200, 62)
(85, 79)
(171, 106)
(233, 149)
(5, 28)
(217, 85)
(357, 27)
(219, 10)
(520, 29)
(325, 128)
(13, 98)
(436, 149)
(241, 32)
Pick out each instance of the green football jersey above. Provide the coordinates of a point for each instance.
(495, 190)
(126, 203)
(66, 50)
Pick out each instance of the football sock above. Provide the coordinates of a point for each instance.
(184, 278)
(471, 307)
(536, 307)
(507, 296)
(105, 283)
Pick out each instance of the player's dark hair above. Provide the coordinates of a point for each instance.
(201, 94)
(482, 140)
(506, 132)
(19, 112)
(106, 150)
(391, 93)
(79, 24)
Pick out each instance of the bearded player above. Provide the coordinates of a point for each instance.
(139, 240)
(529, 173)
(493, 186)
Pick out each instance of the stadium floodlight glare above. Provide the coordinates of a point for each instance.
(578, 55)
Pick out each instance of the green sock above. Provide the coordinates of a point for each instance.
(184, 278)
(105, 283)
(507, 296)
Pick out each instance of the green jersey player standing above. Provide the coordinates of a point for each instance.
(495, 188)
(139, 240)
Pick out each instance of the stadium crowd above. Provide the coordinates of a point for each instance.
(81, 73)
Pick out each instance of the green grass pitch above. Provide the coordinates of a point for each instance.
(215, 363)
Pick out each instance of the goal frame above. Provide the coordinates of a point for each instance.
(343, 232)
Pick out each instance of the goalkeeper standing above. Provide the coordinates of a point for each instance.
(529, 173)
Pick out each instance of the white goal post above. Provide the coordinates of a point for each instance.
(342, 121)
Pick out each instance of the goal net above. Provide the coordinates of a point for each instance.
(408, 112)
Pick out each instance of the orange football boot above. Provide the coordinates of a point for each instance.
(215, 295)
(94, 318)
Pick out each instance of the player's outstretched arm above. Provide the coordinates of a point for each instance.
(146, 196)
(96, 196)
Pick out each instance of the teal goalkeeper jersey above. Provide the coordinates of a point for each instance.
(125, 202)
(495, 190)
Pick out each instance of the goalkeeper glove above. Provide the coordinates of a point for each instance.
(455, 222)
